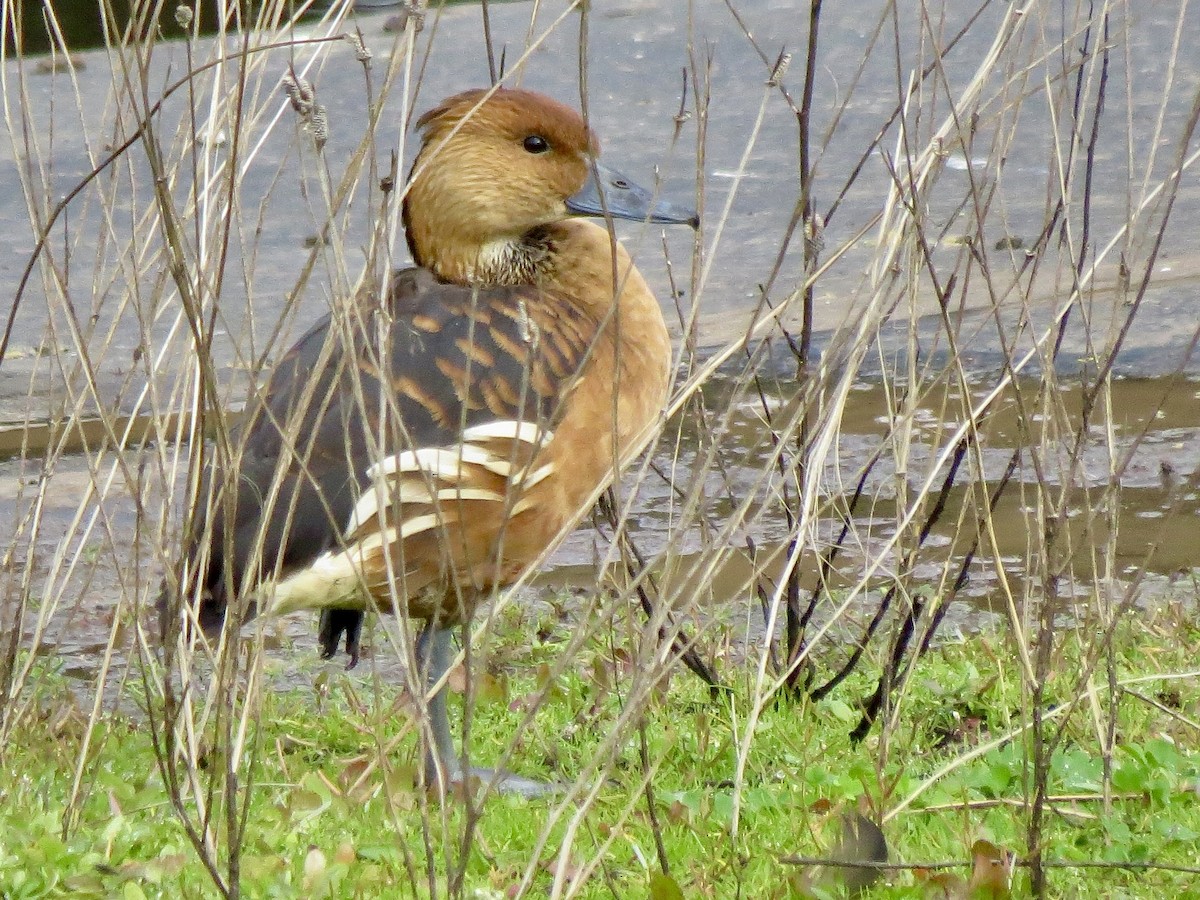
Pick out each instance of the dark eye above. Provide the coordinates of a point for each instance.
(535, 143)
(620, 184)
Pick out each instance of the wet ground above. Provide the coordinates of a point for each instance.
(1157, 439)
(638, 51)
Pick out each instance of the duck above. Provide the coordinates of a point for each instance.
(423, 457)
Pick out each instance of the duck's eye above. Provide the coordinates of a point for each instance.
(535, 143)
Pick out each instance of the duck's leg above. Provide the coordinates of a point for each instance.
(434, 653)
(433, 657)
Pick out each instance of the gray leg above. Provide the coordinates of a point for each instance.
(433, 656)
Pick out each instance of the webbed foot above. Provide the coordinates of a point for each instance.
(501, 781)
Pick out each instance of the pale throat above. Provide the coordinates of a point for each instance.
(515, 260)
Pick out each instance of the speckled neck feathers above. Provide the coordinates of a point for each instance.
(524, 259)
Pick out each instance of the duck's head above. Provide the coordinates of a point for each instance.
(490, 181)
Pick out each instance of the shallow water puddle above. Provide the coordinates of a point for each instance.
(1156, 431)
(1156, 511)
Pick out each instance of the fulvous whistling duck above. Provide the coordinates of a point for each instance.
(432, 467)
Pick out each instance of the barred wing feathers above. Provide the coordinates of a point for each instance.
(413, 460)
(433, 523)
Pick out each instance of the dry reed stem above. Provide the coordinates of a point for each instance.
(167, 254)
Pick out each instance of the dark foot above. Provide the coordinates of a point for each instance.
(335, 623)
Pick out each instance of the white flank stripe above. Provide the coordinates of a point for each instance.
(418, 524)
(496, 465)
(528, 479)
(440, 462)
(461, 493)
(388, 465)
(477, 456)
(407, 528)
(376, 539)
(526, 432)
(427, 459)
(365, 509)
(521, 505)
(445, 465)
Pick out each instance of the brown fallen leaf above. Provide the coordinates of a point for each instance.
(355, 773)
(991, 873)
(940, 885)
(457, 679)
(570, 869)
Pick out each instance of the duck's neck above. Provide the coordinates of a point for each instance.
(464, 245)
(508, 261)
(572, 257)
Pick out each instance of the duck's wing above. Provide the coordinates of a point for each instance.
(453, 360)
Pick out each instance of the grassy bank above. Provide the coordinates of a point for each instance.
(930, 251)
(332, 810)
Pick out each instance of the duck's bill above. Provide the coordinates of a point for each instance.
(625, 200)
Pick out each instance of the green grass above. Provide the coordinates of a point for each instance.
(368, 840)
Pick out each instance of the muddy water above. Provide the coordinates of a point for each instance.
(638, 51)
(1145, 479)
(1156, 429)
